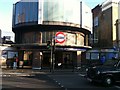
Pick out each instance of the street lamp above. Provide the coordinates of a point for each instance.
(52, 61)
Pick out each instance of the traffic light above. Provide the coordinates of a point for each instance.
(48, 44)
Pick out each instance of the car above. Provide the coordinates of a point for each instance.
(107, 74)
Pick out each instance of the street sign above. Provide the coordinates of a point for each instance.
(60, 37)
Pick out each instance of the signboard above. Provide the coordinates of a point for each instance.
(60, 37)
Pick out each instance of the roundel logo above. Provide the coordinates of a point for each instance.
(60, 37)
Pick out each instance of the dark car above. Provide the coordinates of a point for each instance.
(107, 74)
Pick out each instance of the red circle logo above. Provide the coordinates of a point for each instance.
(60, 37)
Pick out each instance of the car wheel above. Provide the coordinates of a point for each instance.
(108, 81)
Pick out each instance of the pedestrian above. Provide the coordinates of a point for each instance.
(15, 62)
(8, 63)
(11, 63)
(102, 59)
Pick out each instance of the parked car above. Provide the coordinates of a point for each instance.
(107, 74)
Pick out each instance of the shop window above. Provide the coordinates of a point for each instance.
(94, 56)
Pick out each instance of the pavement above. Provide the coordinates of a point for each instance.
(28, 72)
(31, 72)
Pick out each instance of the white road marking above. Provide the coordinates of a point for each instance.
(117, 87)
(81, 75)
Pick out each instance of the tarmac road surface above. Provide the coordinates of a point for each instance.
(34, 82)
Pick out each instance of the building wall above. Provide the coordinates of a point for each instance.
(59, 10)
(71, 38)
(50, 13)
(0, 37)
(6, 53)
(115, 14)
(118, 29)
(106, 29)
(32, 37)
(96, 15)
(48, 18)
(25, 12)
(53, 13)
(118, 26)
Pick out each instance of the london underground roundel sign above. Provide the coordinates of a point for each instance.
(60, 37)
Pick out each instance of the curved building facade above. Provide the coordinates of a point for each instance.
(36, 22)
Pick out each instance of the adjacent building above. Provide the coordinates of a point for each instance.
(104, 18)
(36, 22)
(7, 52)
(6, 55)
(118, 29)
(104, 31)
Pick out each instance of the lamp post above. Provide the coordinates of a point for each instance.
(52, 61)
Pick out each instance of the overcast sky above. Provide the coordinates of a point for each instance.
(6, 12)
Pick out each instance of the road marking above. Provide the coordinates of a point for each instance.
(62, 86)
(81, 75)
(117, 87)
(65, 88)
(59, 83)
(8, 75)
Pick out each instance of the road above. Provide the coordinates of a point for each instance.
(65, 80)
(28, 82)
(71, 81)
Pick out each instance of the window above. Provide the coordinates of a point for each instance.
(95, 56)
(96, 21)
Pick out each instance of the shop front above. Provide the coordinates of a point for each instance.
(99, 56)
(63, 57)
